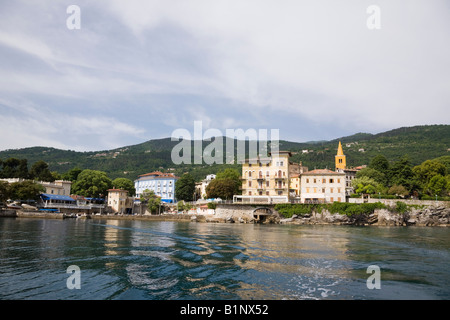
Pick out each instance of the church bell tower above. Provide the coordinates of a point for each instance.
(339, 158)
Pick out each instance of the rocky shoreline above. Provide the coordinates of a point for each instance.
(430, 216)
(427, 216)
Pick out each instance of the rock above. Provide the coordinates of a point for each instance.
(194, 218)
(229, 220)
(287, 220)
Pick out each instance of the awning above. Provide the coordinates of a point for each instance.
(47, 196)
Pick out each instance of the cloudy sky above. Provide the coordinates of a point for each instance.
(138, 70)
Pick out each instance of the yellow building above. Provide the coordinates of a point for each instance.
(294, 185)
(340, 160)
(266, 176)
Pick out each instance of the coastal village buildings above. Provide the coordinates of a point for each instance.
(276, 178)
(119, 201)
(162, 184)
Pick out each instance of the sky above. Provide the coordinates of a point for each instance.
(138, 70)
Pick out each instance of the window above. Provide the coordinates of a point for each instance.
(280, 193)
(281, 163)
(331, 181)
(267, 183)
(331, 199)
(323, 190)
(339, 199)
(340, 160)
(339, 180)
(267, 193)
(307, 190)
(260, 193)
(249, 183)
(307, 180)
(315, 190)
(249, 193)
(331, 190)
(267, 173)
(339, 190)
(324, 180)
(249, 174)
(315, 181)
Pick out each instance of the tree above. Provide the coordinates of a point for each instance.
(366, 185)
(185, 188)
(124, 184)
(380, 163)
(149, 198)
(72, 174)
(402, 174)
(92, 183)
(15, 168)
(4, 191)
(428, 169)
(437, 185)
(25, 190)
(221, 188)
(398, 190)
(233, 175)
(39, 171)
(372, 174)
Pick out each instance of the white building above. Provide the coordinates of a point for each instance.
(201, 186)
(162, 184)
(322, 186)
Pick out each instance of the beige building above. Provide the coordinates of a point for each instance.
(322, 186)
(119, 201)
(58, 187)
(266, 177)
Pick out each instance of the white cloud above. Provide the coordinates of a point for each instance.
(148, 67)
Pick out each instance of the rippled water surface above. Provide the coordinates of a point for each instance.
(186, 260)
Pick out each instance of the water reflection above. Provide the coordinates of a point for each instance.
(184, 260)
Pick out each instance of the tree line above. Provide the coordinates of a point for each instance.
(428, 180)
(87, 183)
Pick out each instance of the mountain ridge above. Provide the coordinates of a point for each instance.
(418, 142)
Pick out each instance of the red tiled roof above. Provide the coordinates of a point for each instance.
(159, 174)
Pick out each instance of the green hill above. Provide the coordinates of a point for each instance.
(419, 143)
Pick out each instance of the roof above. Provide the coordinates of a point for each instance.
(282, 152)
(322, 172)
(159, 174)
(117, 190)
(47, 196)
(340, 152)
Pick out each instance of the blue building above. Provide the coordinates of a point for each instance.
(162, 184)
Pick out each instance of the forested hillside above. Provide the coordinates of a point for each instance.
(419, 143)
